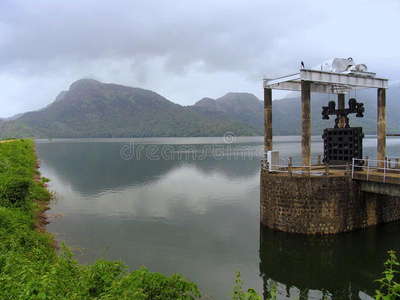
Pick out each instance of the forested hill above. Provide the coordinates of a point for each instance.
(93, 109)
(242, 106)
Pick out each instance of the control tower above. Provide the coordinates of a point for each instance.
(344, 191)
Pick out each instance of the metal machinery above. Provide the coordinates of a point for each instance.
(341, 145)
(336, 76)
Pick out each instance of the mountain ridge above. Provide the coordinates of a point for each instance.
(94, 109)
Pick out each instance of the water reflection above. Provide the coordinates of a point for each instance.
(79, 160)
(336, 265)
(199, 217)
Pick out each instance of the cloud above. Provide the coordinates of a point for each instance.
(159, 44)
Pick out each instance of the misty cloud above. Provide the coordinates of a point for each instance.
(184, 50)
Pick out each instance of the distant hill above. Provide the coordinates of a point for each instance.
(15, 117)
(242, 106)
(93, 109)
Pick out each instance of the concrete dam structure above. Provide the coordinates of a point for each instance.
(345, 191)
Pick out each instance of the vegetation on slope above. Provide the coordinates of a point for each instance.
(242, 106)
(94, 109)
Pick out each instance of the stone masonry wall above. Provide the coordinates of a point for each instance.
(321, 205)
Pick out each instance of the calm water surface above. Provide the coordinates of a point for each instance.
(198, 214)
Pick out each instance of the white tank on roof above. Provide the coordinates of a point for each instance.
(341, 65)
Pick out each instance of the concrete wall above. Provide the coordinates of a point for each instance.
(321, 205)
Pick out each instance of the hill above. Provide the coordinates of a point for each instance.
(242, 106)
(15, 117)
(93, 109)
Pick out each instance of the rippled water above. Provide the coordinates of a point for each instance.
(191, 205)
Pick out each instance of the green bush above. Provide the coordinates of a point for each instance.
(4, 165)
(142, 284)
(14, 191)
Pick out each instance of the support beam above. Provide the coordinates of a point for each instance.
(342, 121)
(381, 126)
(268, 119)
(305, 125)
(379, 188)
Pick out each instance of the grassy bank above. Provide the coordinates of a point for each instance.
(31, 268)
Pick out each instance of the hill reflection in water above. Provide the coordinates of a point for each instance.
(102, 168)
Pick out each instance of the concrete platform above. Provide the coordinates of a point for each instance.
(325, 204)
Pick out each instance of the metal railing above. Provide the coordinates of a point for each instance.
(391, 165)
(318, 169)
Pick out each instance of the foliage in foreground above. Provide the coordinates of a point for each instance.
(251, 294)
(389, 289)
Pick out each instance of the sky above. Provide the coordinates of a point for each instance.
(184, 49)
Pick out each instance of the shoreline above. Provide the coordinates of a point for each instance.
(43, 206)
(33, 267)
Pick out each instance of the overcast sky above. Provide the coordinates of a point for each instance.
(184, 50)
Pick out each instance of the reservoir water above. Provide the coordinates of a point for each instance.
(191, 206)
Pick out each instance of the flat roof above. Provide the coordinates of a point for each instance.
(327, 82)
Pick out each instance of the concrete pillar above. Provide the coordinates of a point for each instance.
(268, 119)
(341, 98)
(305, 125)
(371, 199)
(381, 126)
